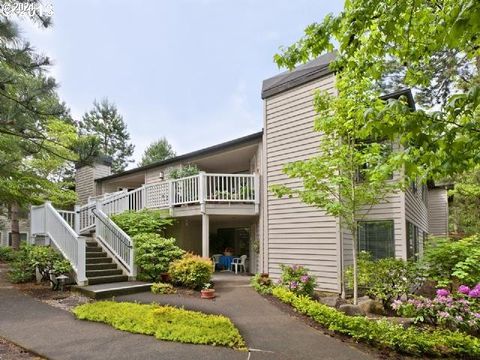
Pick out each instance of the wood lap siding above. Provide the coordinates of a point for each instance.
(438, 212)
(297, 233)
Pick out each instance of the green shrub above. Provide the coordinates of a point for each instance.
(162, 288)
(153, 254)
(7, 254)
(164, 322)
(191, 271)
(381, 333)
(296, 279)
(262, 284)
(21, 269)
(448, 260)
(385, 279)
(29, 257)
(142, 222)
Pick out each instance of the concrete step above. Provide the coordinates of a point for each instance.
(104, 291)
(106, 279)
(90, 255)
(98, 260)
(102, 266)
(103, 272)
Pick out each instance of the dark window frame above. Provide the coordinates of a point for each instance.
(372, 245)
(412, 240)
(9, 237)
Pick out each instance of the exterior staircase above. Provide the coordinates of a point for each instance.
(105, 278)
(100, 268)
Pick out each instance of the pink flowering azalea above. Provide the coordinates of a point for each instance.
(443, 292)
(304, 278)
(475, 293)
(463, 289)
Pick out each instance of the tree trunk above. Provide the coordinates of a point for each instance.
(355, 270)
(14, 226)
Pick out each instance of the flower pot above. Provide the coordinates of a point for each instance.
(264, 275)
(207, 293)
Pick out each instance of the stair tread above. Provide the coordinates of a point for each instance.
(103, 272)
(99, 291)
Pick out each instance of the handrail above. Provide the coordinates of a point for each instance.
(108, 224)
(46, 220)
(117, 242)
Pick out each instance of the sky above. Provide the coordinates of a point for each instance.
(189, 70)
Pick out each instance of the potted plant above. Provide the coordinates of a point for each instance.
(207, 292)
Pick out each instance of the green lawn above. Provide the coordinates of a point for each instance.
(164, 322)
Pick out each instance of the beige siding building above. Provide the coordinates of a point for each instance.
(227, 207)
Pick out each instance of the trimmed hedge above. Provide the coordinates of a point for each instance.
(382, 333)
(164, 322)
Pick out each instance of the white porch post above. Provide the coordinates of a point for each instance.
(205, 236)
(76, 219)
(202, 193)
(256, 191)
(81, 262)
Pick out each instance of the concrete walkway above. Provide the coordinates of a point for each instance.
(55, 334)
(272, 333)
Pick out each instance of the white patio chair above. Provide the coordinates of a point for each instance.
(239, 263)
(215, 260)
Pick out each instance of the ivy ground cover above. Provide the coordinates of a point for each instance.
(164, 322)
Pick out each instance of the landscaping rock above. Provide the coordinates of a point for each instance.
(331, 301)
(405, 322)
(371, 306)
(351, 310)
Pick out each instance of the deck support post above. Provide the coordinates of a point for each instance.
(205, 236)
(202, 191)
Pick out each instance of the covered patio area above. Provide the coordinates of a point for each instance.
(229, 236)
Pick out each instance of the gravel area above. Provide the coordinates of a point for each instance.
(10, 351)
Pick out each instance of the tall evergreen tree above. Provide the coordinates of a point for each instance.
(157, 151)
(108, 125)
(36, 136)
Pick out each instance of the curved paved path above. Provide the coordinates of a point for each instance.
(55, 334)
(270, 332)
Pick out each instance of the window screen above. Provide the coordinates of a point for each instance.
(377, 238)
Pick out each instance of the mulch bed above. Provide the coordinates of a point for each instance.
(10, 351)
(65, 300)
(378, 353)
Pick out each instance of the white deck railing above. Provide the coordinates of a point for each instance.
(197, 189)
(46, 220)
(117, 242)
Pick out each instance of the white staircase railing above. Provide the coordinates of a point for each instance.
(46, 220)
(117, 242)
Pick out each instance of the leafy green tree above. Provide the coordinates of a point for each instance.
(157, 151)
(104, 122)
(352, 172)
(371, 35)
(464, 210)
